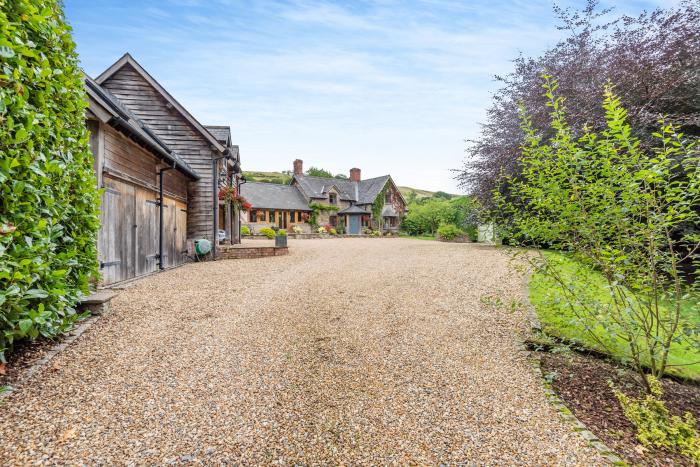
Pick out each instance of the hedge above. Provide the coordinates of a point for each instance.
(48, 196)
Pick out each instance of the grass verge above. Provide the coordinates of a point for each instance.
(558, 320)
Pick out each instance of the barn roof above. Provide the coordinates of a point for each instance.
(127, 59)
(220, 132)
(273, 196)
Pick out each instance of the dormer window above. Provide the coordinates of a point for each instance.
(333, 198)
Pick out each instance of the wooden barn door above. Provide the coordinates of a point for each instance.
(146, 231)
(116, 240)
(180, 232)
(174, 233)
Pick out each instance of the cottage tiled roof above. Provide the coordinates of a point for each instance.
(363, 192)
(273, 196)
(220, 132)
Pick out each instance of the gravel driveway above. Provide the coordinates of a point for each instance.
(368, 351)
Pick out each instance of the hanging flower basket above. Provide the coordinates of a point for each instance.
(228, 193)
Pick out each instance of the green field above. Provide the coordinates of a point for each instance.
(558, 319)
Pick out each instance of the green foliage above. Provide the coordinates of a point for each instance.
(620, 209)
(268, 232)
(425, 215)
(317, 172)
(48, 197)
(561, 320)
(656, 427)
(332, 231)
(245, 230)
(317, 208)
(449, 232)
(378, 204)
(341, 176)
(282, 232)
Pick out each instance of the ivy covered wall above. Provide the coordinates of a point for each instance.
(48, 199)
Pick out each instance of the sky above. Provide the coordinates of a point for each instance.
(391, 87)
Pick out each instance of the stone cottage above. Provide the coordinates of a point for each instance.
(346, 204)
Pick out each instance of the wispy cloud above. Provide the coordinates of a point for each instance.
(390, 86)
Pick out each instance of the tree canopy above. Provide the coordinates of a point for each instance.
(653, 61)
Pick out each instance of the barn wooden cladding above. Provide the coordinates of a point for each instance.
(155, 164)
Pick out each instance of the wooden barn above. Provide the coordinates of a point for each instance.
(161, 171)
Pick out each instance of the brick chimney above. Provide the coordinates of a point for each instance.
(298, 167)
(355, 174)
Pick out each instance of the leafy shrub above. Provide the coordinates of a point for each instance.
(333, 231)
(282, 232)
(620, 208)
(376, 233)
(268, 232)
(297, 229)
(49, 203)
(656, 427)
(321, 230)
(449, 232)
(367, 231)
(245, 230)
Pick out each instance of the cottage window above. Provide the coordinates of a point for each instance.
(253, 215)
(387, 197)
(271, 216)
(333, 198)
(333, 220)
(299, 216)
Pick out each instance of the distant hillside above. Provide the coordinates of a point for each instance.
(284, 178)
(267, 177)
(407, 190)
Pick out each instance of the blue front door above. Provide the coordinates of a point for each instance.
(354, 227)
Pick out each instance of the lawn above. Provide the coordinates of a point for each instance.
(559, 320)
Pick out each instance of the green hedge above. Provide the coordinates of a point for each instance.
(48, 199)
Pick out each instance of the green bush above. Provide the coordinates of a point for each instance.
(333, 232)
(268, 232)
(49, 203)
(245, 230)
(449, 232)
(282, 233)
(656, 427)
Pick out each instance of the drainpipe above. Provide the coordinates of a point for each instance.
(160, 215)
(215, 195)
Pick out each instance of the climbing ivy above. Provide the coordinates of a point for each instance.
(48, 199)
(317, 208)
(378, 205)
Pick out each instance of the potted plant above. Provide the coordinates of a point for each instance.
(281, 238)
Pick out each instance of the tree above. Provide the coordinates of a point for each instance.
(49, 202)
(620, 209)
(653, 60)
(341, 176)
(316, 172)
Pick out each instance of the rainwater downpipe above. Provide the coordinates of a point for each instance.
(215, 197)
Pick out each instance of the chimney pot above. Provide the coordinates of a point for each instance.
(355, 174)
(298, 167)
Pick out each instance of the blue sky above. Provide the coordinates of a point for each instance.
(388, 86)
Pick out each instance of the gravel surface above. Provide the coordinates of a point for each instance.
(363, 351)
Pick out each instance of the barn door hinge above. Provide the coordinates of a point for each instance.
(104, 264)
